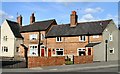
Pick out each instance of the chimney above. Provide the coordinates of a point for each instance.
(32, 18)
(19, 20)
(73, 19)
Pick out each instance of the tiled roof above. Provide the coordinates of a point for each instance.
(92, 44)
(15, 28)
(37, 26)
(92, 28)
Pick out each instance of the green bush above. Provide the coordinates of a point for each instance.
(69, 62)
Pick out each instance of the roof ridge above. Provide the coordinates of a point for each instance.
(96, 21)
(89, 21)
(11, 21)
(45, 20)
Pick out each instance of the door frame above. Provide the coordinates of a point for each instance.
(48, 51)
(87, 50)
(42, 48)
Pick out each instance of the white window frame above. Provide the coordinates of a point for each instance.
(5, 38)
(96, 36)
(59, 50)
(4, 48)
(59, 40)
(112, 50)
(79, 50)
(17, 48)
(42, 36)
(33, 36)
(34, 49)
(110, 37)
(82, 38)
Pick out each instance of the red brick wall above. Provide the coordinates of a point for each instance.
(83, 59)
(45, 61)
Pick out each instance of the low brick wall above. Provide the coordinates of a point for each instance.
(45, 61)
(83, 59)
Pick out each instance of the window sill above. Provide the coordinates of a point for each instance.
(58, 41)
(59, 55)
(82, 41)
(111, 53)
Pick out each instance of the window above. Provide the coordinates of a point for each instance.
(33, 50)
(81, 52)
(59, 52)
(82, 38)
(110, 37)
(42, 36)
(17, 49)
(5, 38)
(95, 36)
(112, 51)
(5, 49)
(58, 39)
(33, 37)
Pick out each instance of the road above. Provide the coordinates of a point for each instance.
(111, 70)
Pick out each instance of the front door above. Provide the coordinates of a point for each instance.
(89, 51)
(42, 52)
(49, 52)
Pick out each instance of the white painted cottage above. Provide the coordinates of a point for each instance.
(10, 39)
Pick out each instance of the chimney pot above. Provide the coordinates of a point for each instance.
(74, 12)
(32, 18)
(73, 19)
(19, 20)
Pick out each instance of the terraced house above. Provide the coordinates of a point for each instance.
(97, 38)
(47, 39)
(34, 36)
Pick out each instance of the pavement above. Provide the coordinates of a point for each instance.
(66, 68)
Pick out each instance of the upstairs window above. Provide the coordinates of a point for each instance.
(5, 38)
(33, 37)
(110, 37)
(42, 36)
(95, 36)
(82, 38)
(58, 39)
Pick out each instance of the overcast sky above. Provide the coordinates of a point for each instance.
(86, 11)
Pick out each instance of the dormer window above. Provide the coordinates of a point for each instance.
(82, 38)
(58, 39)
(33, 37)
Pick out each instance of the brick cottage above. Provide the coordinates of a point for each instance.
(46, 43)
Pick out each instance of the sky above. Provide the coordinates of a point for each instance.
(60, 11)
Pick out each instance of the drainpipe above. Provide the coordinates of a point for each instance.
(106, 41)
(88, 38)
(39, 45)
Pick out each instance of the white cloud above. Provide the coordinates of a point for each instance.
(4, 15)
(87, 17)
(114, 17)
(93, 10)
